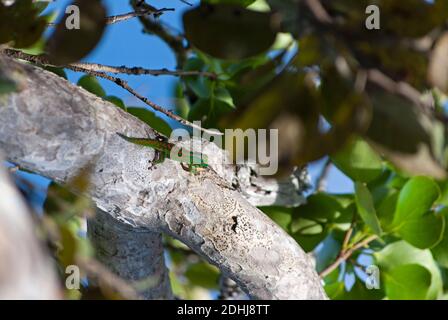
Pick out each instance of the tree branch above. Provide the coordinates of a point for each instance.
(347, 253)
(26, 271)
(86, 68)
(55, 128)
(152, 26)
(135, 255)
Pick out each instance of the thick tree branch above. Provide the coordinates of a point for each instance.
(54, 128)
(135, 254)
(26, 271)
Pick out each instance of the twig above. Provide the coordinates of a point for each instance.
(120, 82)
(176, 43)
(124, 84)
(347, 237)
(112, 69)
(345, 254)
(142, 71)
(401, 88)
(126, 16)
(186, 2)
(322, 179)
(319, 11)
(130, 15)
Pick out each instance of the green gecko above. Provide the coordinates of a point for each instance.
(164, 148)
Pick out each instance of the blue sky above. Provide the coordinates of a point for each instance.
(125, 44)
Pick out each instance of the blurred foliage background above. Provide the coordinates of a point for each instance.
(370, 102)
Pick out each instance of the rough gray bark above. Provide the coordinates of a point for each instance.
(55, 129)
(134, 254)
(26, 271)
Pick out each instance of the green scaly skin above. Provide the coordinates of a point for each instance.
(194, 160)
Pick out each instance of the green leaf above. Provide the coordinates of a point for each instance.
(306, 232)
(366, 209)
(201, 87)
(151, 119)
(359, 161)
(280, 215)
(335, 290)
(386, 208)
(203, 274)
(401, 253)
(416, 198)
(325, 208)
(311, 222)
(406, 282)
(71, 45)
(7, 85)
(229, 31)
(440, 251)
(20, 24)
(116, 101)
(223, 95)
(359, 291)
(91, 84)
(424, 232)
(208, 111)
(413, 220)
(443, 200)
(59, 71)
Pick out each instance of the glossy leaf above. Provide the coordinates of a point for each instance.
(366, 209)
(116, 101)
(151, 119)
(416, 199)
(203, 274)
(413, 220)
(91, 84)
(359, 291)
(402, 253)
(424, 232)
(440, 251)
(409, 281)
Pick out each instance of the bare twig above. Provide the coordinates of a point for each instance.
(126, 16)
(347, 237)
(322, 179)
(319, 11)
(120, 82)
(403, 89)
(130, 15)
(124, 84)
(112, 69)
(151, 26)
(346, 254)
(186, 2)
(142, 71)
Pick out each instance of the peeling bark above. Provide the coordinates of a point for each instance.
(55, 128)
